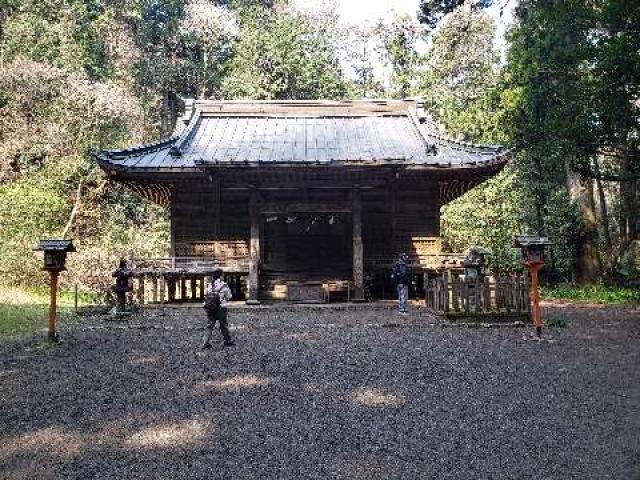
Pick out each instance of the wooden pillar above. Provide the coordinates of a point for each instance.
(172, 229)
(154, 288)
(445, 291)
(358, 259)
(183, 289)
(141, 289)
(254, 251)
(53, 313)
(192, 281)
(425, 286)
(394, 216)
(217, 207)
(171, 294)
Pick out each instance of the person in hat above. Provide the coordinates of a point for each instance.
(216, 302)
(402, 277)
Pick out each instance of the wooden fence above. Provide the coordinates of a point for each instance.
(495, 296)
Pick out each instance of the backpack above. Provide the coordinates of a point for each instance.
(212, 301)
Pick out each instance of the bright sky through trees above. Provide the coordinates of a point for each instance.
(370, 11)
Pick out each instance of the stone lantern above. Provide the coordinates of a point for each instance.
(533, 250)
(55, 256)
(474, 272)
(474, 263)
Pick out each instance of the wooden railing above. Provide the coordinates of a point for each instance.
(182, 279)
(174, 286)
(456, 296)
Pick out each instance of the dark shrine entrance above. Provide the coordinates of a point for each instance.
(307, 246)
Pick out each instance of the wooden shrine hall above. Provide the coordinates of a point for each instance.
(295, 198)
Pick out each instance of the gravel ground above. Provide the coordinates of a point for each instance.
(323, 393)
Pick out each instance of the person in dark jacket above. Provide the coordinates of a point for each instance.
(216, 302)
(402, 277)
(123, 285)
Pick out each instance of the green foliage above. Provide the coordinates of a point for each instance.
(488, 216)
(285, 56)
(41, 176)
(206, 35)
(431, 12)
(24, 312)
(463, 90)
(577, 69)
(399, 41)
(562, 221)
(461, 86)
(85, 74)
(63, 37)
(29, 210)
(599, 293)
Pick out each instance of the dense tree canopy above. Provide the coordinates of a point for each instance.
(285, 56)
(431, 12)
(85, 74)
(575, 65)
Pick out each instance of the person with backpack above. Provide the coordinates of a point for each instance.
(216, 302)
(402, 277)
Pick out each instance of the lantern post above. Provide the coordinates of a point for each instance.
(533, 251)
(55, 256)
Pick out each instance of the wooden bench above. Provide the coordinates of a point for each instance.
(336, 286)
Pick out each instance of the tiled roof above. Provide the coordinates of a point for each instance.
(58, 245)
(275, 133)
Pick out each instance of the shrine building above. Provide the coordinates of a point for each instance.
(287, 194)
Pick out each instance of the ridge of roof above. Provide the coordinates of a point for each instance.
(318, 108)
(186, 134)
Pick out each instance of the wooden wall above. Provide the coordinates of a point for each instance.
(395, 218)
(207, 223)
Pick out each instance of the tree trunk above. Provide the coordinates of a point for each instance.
(628, 206)
(604, 210)
(581, 191)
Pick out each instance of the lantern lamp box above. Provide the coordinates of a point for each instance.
(532, 247)
(55, 253)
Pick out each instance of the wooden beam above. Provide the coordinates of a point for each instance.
(303, 207)
(254, 250)
(358, 261)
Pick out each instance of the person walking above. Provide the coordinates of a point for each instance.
(402, 277)
(216, 302)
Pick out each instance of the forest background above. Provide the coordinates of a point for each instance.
(81, 75)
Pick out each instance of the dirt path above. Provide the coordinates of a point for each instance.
(319, 393)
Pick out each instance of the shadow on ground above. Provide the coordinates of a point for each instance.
(316, 393)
